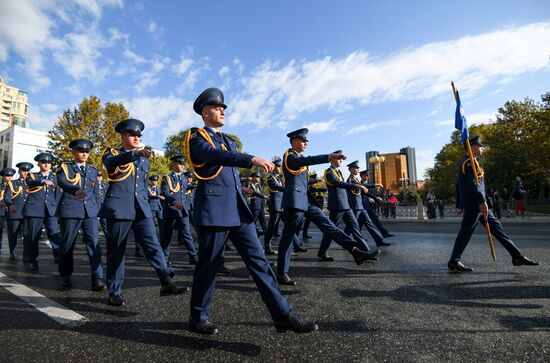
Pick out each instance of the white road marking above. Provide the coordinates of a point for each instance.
(53, 310)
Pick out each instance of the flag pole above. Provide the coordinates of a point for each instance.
(476, 175)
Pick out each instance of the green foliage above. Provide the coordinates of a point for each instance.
(159, 165)
(408, 195)
(90, 120)
(519, 145)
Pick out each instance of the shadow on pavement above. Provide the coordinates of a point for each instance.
(460, 294)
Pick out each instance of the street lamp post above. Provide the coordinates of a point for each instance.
(376, 160)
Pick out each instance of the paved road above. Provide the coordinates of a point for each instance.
(407, 307)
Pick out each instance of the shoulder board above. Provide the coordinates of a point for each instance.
(465, 164)
(92, 167)
(194, 132)
(229, 137)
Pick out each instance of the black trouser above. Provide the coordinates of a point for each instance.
(364, 220)
(469, 223)
(15, 227)
(351, 225)
(259, 216)
(374, 218)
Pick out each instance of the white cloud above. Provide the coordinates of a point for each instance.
(168, 114)
(373, 125)
(320, 127)
(424, 160)
(27, 29)
(183, 66)
(78, 54)
(286, 91)
(151, 77)
(43, 117)
(223, 71)
(156, 30)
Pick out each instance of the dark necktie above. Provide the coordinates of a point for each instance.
(83, 169)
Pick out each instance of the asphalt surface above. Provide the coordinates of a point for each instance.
(404, 308)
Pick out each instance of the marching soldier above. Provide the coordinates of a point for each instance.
(7, 174)
(126, 207)
(102, 191)
(77, 210)
(257, 201)
(369, 207)
(14, 198)
(176, 210)
(40, 208)
(313, 190)
(188, 201)
(472, 202)
(155, 198)
(221, 212)
(356, 203)
(339, 208)
(276, 188)
(297, 202)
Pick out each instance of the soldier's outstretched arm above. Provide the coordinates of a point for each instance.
(64, 183)
(111, 161)
(31, 183)
(295, 162)
(340, 184)
(201, 150)
(273, 185)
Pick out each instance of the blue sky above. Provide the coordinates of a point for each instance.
(361, 75)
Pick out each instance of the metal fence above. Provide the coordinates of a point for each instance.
(534, 208)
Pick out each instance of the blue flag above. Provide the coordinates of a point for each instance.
(460, 120)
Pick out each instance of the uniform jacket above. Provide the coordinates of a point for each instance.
(469, 195)
(189, 197)
(296, 194)
(336, 186)
(355, 198)
(15, 194)
(102, 191)
(73, 180)
(276, 189)
(173, 190)
(257, 198)
(367, 196)
(127, 188)
(42, 200)
(3, 210)
(153, 193)
(218, 201)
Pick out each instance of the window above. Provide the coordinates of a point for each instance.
(7, 137)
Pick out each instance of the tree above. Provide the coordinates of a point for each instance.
(442, 177)
(90, 120)
(518, 145)
(159, 165)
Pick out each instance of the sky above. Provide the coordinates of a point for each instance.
(361, 75)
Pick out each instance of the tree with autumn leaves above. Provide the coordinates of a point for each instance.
(518, 145)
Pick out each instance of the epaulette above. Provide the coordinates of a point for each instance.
(194, 131)
(229, 137)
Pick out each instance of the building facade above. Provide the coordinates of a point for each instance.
(393, 170)
(14, 105)
(19, 144)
